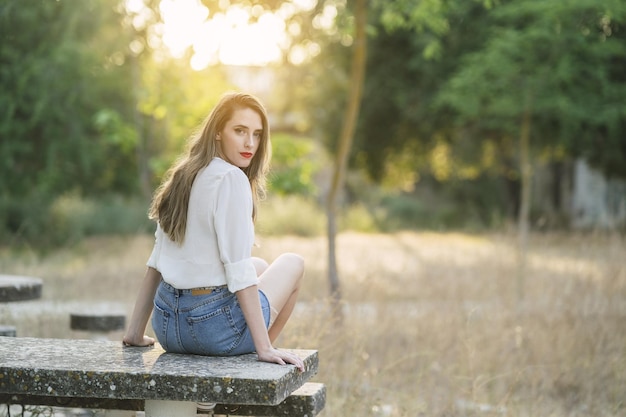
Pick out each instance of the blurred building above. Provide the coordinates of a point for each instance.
(597, 202)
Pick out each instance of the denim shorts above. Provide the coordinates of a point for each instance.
(208, 324)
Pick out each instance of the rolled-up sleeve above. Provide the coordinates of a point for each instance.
(156, 249)
(235, 230)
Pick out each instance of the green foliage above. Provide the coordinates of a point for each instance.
(397, 117)
(175, 100)
(447, 84)
(290, 215)
(302, 216)
(24, 219)
(358, 218)
(71, 217)
(55, 76)
(115, 131)
(428, 18)
(118, 140)
(294, 164)
(65, 110)
(87, 111)
(448, 210)
(560, 60)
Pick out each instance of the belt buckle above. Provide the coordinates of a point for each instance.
(201, 291)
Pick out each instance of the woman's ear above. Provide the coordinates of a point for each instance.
(218, 137)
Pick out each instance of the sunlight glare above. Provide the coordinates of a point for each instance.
(253, 44)
(305, 4)
(286, 10)
(135, 6)
(138, 14)
(326, 19)
(183, 21)
(229, 37)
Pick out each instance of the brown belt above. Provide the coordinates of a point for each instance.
(205, 290)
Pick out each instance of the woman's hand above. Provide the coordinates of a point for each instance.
(144, 341)
(135, 334)
(251, 306)
(281, 357)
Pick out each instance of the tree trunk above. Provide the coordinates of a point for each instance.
(357, 78)
(525, 202)
(143, 171)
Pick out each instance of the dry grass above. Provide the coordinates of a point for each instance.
(431, 324)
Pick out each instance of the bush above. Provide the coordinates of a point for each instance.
(405, 211)
(467, 205)
(357, 218)
(290, 215)
(23, 220)
(73, 217)
(295, 161)
(70, 217)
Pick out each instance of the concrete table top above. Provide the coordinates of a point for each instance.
(107, 370)
(19, 288)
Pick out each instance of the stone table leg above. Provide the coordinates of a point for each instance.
(119, 413)
(158, 408)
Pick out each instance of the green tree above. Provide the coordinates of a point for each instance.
(172, 101)
(334, 110)
(344, 145)
(548, 75)
(294, 162)
(562, 61)
(413, 53)
(59, 82)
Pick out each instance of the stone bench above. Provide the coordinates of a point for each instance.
(98, 320)
(308, 400)
(8, 330)
(104, 374)
(17, 288)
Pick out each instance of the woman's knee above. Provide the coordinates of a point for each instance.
(295, 263)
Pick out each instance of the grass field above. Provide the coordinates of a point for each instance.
(432, 324)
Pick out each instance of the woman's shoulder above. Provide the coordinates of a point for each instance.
(218, 170)
(218, 166)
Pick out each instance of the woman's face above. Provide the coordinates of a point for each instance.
(239, 141)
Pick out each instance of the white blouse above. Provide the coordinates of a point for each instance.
(219, 236)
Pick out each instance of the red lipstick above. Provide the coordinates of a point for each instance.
(246, 155)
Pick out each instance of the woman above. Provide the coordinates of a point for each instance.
(206, 293)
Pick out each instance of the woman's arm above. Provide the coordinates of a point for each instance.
(135, 335)
(251, 306)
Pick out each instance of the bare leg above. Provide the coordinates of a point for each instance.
(260, 265)
(281, 282)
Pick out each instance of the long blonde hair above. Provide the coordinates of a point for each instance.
(171, 200)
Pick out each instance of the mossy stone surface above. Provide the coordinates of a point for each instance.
(108, 370)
